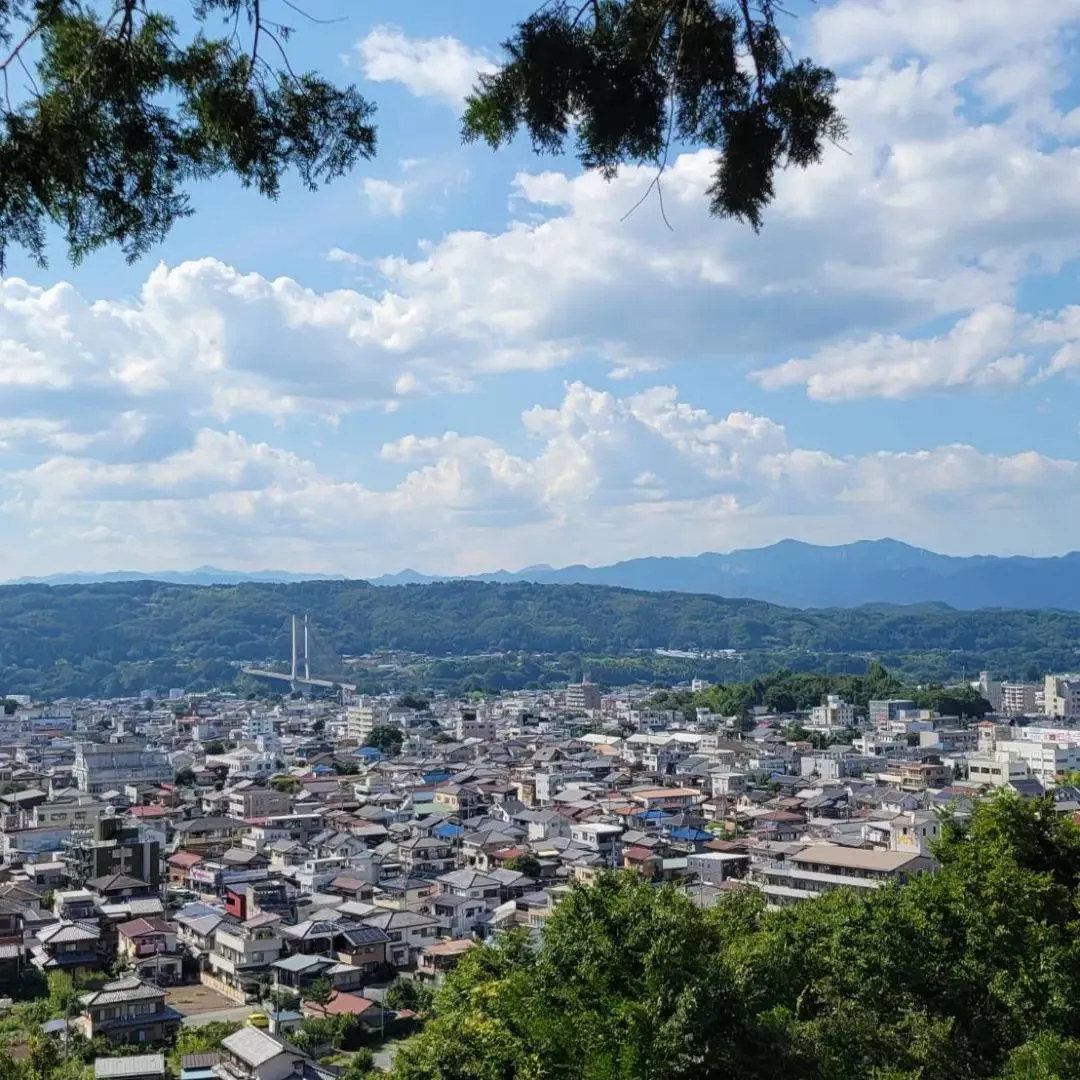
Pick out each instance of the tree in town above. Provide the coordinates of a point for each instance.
(185, 777)
(386, 738)
(320, 993)
(526, 864)
(408, 994)
(204, 1037)
(126, 106)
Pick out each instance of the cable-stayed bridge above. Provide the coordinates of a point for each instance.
(311, 664)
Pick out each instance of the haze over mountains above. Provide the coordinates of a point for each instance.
(791, 573)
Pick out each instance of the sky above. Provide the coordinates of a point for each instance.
(456, 360)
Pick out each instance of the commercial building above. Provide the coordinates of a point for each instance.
(109, 767)
(1061, 695)
(882, 713)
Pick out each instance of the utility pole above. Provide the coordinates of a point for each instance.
(293, 669)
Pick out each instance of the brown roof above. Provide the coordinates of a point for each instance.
(137, 927)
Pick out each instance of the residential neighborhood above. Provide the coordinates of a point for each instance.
(171, 865)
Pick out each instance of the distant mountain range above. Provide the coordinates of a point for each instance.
(202, 575)
(790, 573)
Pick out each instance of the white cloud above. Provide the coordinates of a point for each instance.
(385, 197)
(442, 68)
(975, 352)
(607, 477)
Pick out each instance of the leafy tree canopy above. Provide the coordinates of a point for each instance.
(626, 78)
(387, 738)
(127, 106)
(972, 972)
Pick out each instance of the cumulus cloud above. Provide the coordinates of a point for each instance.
(442, 68)
(605, 477)
(976, 351)
(385, 197)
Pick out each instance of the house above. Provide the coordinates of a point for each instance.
(135, 1067)
(299, 971)
(209, 835)
(68, 946)
(180, 865)
(241, 952)
(426, 855)
(127, 1011)
(439, 959)
(458, 916)
(364, 947)
(408, 932)
(114, 887)
(150, 947)
(341, 1003)
(251, 1054)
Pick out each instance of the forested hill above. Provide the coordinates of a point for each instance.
(73, 639)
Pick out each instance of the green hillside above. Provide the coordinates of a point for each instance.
(121, 637)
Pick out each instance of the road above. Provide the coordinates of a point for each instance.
(238, 1012)
(384, 1059)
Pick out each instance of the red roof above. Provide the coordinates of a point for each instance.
(147, 811)
(637, 854)
(184, 859)
(341, 1004)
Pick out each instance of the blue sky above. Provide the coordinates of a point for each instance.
(455, 359)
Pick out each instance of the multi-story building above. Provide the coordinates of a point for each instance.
(834, 713)
(474, 725)
(583, 697)
(255, 801)
(363, 717)
(1020, 698)
(257, 725)
(1061, 695)
(990, 689)
(112, 847)
(105, 767)
(882, 713)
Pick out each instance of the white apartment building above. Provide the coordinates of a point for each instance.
(1061, 695)
(1020, 698)
(257, 725)
(363, 716)
(1048, 759)
(834, 713)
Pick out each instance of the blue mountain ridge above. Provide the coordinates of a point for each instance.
(791, 573)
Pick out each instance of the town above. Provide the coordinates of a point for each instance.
(296, 875)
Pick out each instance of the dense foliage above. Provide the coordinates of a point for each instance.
(120, 638)
(624, 78)
(971, 972)
(787, 691)
(126, 105)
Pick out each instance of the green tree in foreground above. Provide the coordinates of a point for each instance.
(970, 972)
(130, 103)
